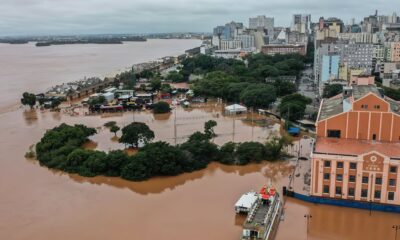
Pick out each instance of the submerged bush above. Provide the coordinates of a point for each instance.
(60, 148)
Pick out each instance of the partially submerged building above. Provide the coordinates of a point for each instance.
(357, 151)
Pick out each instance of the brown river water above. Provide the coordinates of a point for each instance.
(38, 203)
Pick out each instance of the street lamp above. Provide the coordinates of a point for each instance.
(396, 227)
(308, 217)
(370, 207)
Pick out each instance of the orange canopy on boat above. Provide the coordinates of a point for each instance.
(266, 193)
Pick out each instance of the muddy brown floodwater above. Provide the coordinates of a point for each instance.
(38, 203)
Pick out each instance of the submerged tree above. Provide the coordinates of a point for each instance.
(28, 99)
(136, 132)
(161, 107)
(209, 128)
(114, 129)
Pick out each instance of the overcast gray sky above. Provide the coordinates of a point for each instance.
(25, 17)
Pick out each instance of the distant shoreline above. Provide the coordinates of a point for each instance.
(91, 41)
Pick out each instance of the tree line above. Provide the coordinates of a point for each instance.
(61, 148)
(246, 81)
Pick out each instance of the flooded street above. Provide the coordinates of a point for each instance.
(37, 203)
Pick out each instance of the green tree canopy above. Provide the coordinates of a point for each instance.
(114, 129)
(166, 88)
(284, 88)
(250, 151)
(55, 103)
(201, 150)
(392, 93)
(161, 107)
(258, 95)
(109, 124)
(233, 91)
(116, 160)
(146, 74)
(209, 128)
(332, 90)
(136, 169)
(155, 84)
(293, 106)
(214, 84)
(175, 76)
(28, 99)
(275, 145)
(136, 132)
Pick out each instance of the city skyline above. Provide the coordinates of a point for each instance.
(44, 17)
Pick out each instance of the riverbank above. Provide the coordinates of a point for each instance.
(28, 68)
(90, 40)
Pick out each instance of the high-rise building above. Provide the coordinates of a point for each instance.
(361, 37)
(273, 49)
(393, 18)
(248, 41)
(229, 31)
(262, 22)
(393, 52)
(355, 56)
(330, 67)
(231, 44)
(332, 24)
(301, 23)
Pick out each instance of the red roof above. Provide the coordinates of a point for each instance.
(356, 147)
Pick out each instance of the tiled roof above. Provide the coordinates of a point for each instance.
(360, 91)
(333, 106)
(356, 147)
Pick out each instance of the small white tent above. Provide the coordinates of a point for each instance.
(235, 109)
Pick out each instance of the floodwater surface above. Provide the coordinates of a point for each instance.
(39, 203)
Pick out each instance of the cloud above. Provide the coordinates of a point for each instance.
(23, 17)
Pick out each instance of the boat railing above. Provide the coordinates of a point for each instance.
(253, 211)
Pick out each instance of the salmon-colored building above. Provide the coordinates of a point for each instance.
(357, 151)
(362, 80)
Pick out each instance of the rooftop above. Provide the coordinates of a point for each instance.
(355, 147)
(334, 105)
(331, 106)
(360, 91)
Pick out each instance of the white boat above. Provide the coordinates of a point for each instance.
(263, 216)
(246, 202)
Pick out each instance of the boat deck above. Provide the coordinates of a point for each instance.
(260, 214)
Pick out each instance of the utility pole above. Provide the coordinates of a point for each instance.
(175, 130)
(233, 123)
(288, 117)
(396, 228)
(308, 217)
(252, 125)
